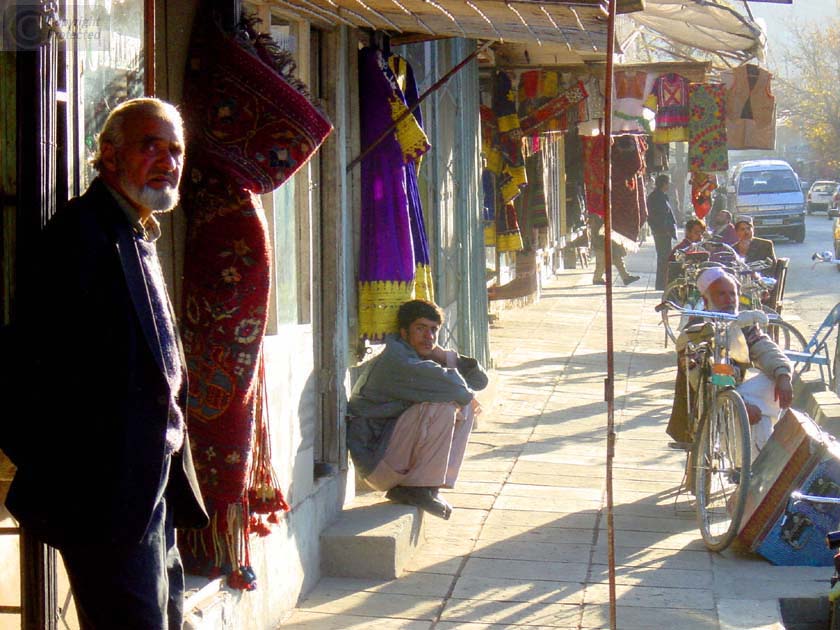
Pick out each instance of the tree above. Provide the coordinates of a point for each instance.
(808, 98)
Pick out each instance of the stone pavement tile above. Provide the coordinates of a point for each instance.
(550, 493)
(573, 470)
(750, 576)
(653, 576)
(487, 465)
(429, 560)
(660, 540)
(517, 590)
(500, 517)
(635, 618)
(305, 620)
(511, 614)
(331, 600)
(500, 439)
(666, 486)
(636, 473)
(675, 524)
(479, 487)
(749, 614)
(527, 570)
(659, 558)
(535, 479)
(462, 500)
(460, 625)
(538, 535)
(566, 501)
(651, 596)
(516, 550)
(420, 584)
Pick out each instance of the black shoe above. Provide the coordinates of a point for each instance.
(424, 498)
(630, 280)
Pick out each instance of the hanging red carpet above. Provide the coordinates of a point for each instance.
(249, 128)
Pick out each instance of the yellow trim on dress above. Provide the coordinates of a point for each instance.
(665, 135)
(510, 242)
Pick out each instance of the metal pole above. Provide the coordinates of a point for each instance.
(609, 384)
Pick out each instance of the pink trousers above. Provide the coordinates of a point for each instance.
(426, 448)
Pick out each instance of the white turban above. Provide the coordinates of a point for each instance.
(711, 275)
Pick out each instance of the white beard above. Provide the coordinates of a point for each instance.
(162, 200)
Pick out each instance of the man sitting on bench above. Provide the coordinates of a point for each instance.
(412, 410)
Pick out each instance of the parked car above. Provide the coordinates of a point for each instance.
(834, 208)
(769, 192)
(820, 196)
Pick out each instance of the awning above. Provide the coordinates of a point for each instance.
(703, 24)
(574, 25)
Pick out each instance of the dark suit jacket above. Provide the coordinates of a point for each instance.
(90, 443)
(760, 248)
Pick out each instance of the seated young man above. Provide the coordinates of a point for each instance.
(750, 247)
(765, 393)
(411, 412)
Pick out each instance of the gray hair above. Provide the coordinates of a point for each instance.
(113, 133)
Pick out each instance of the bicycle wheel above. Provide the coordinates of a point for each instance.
(786, 335)
(682, 294)
(723, 470)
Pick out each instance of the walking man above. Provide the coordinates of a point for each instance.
(663, 225)
(104, 470)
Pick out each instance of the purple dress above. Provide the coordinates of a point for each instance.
(393, 252)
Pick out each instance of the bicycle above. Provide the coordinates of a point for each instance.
(816, 349)
(683, 290)
(718, 461)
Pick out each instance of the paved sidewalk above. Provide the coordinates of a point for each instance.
(526, 545)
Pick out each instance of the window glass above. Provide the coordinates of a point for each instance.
(285, 253)
(107, 38)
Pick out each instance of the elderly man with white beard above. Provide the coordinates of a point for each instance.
(765, 393)
(104, 469)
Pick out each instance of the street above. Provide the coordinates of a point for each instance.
(811, 291)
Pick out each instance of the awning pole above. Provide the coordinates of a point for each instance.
(609, 384)
(434, 88)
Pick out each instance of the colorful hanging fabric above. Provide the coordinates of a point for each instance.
(511, 178)
(488, 191)
(393, 252)
(750, 109)
(594, 116)
(668, 97)
(531, 205)
(508, 235)
(631, 88)
(537, 120)
(250, 128)
(627, 185)
(702, 185)
(707, 136)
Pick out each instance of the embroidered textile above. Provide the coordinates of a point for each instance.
(631, 86)
(707, 137)
(511, 178)
(531, 205)
(750, 109)
(629, 205)
(702, 185)
(250, 128)
(393, 252)
(508, 236)
(539, 118)
(669, 99)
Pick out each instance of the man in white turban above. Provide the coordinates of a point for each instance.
(765, 393)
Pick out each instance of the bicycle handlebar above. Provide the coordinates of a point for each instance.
(826, 257)
(744, 318)
(796, 495)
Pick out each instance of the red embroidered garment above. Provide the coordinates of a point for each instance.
(249, 129)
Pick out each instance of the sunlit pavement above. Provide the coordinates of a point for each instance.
(527, 542)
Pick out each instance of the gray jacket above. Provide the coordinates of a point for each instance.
(391, 383)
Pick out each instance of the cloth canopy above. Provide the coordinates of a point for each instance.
(704, 24)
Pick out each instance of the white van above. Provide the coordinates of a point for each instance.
(769, 191)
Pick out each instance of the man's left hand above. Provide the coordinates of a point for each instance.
(784, 391)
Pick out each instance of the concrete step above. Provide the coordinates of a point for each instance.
(375, 539)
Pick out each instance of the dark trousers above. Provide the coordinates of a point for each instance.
(129, 586)
(663, 251)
